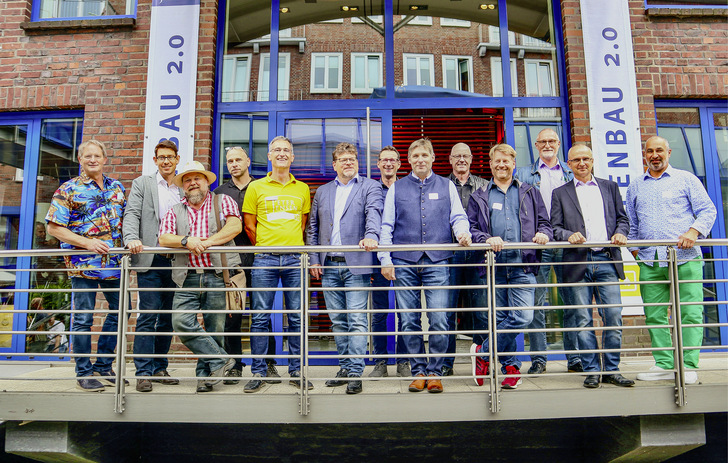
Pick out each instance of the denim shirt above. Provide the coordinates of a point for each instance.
(504, 219)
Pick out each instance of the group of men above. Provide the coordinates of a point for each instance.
(547, 201)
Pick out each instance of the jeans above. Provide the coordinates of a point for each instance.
(537, 341)
(336, 275)
(423, 274)
(599, 270)
(460, 276)
(380, 301)
(201, 344)
(690, 314)
(510, 319)
(150, 321)
(264, 275)
(82, 323)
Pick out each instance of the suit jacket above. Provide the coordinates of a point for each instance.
(141, 217)
(567, 219)
(362, 218)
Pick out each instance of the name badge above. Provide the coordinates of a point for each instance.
(433, 196)
(497, 206)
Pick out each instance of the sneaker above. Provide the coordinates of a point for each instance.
(657, 374)
(514, 381)
(144, 385)
(203, 386)
(537, 368)
(354, 384)
(89, 385)
(109, 377)
(404, 370)
(691, 377)
(272, 373)
(380, 370)
(297, 382)
(254, 384)
(164, 378)
(233, 373)
(342, 373)
(480, 366)
(221, 372)
(447, 371)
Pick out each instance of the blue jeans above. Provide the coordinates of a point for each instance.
(600, 270)
(537, 341)
(423, 274)
(82, 323)
(336, 275)
(201, 344)
(460, 276)
(150, 321)
(511, 319)
(380, 301)
(264, 275)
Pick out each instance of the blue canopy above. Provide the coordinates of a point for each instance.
(422, 91)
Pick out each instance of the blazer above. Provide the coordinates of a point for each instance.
(567, 219)
(141, 221)
(362, 218)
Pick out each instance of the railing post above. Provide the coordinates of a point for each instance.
(492, 342)
(121, 326)
(677, 338)
(304, 404)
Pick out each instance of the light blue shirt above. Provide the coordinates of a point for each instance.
(664, 208)
(551, 179)
(458, 220)
(342, 195)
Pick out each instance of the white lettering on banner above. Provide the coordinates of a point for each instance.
(171, 78)
(613, 109)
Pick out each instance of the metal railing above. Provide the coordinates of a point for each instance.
(308, 355)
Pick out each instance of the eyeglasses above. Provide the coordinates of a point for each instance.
(389, 161)
(461, 156)
(580, 160)
(166, 158)
(548, 142)
(281, 150)
(347, 160)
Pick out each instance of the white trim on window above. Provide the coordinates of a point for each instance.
(236, 78)
(452, 22)
(284, 73)
(461, 64)
(371, 78)
(539, 77)
(326, 70)
(377, 19)
(496, 77)
(420, 64)
(421, 21)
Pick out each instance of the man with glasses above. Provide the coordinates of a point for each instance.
(150, 198)
(460, 159)
(346, 211)
(86, 213)
(275, 211)
(238, 165)
(547, 174)
(388, 164)
(422, 208)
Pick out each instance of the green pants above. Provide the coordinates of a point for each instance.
(657, 315)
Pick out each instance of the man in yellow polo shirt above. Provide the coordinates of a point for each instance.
(275, 210)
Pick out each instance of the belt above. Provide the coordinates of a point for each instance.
(205, 270)
(166, 256)
(336, 258)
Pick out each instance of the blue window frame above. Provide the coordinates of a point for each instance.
(57, 10)
(689, 4)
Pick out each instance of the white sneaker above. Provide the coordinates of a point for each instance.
(658, 374)
(691, 377)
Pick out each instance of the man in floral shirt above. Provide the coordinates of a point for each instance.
(86, 213)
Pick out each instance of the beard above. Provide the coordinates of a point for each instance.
(196, 197)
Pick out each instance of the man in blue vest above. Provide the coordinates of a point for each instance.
(422, 208)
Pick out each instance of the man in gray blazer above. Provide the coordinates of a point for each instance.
(346, 211)
(150, 198)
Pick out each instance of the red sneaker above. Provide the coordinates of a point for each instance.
(512, 382)
(479, 364)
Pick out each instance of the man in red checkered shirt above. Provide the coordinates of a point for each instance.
(192, 224)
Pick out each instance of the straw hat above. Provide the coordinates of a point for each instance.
(194, 167)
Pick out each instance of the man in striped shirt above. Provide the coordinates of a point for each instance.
(192, 224)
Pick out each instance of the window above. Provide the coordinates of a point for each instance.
(65, 9)
(366, 72)
(418, 69)
(685, 4)
(421, 21)
(236, 78)
(457, 72)
(284, 71)
(377, 19)
(450, 22)
(326, 72)
(494, 35)
(539, 78)
(496, 77)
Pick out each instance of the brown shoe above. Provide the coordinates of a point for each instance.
(418, 385)
(434, 385)
(163, 377)
(144, 385)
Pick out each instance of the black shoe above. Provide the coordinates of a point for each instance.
(203, 386)
(297, 382)
(354, 386)
(447, 371)
(233, 373)
(537, 368)
(342, 373)
(254, 384)
(576, 368)
(272, 376)
(592, 381)
(617, 380)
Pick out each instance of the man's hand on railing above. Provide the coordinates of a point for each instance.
(577, 238)
(619, 239)
(368, 244)
(465, 239)
(540, 238)
(687, 239)
(135, 246)
(316, 271)
(97, 246)
(496, 243)
(196, 246)
(388, 272)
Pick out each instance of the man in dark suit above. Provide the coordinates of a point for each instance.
(590, 209)
(346, 211)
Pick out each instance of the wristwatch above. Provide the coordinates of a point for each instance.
(184, 240)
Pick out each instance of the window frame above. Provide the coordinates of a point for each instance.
(363, 90)
(327, 85)
(285, 91)
(453, 22)
(458, 59)
(499, 75)
(539, 63)
(235, 58)
(36, 12)
(418, 56)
